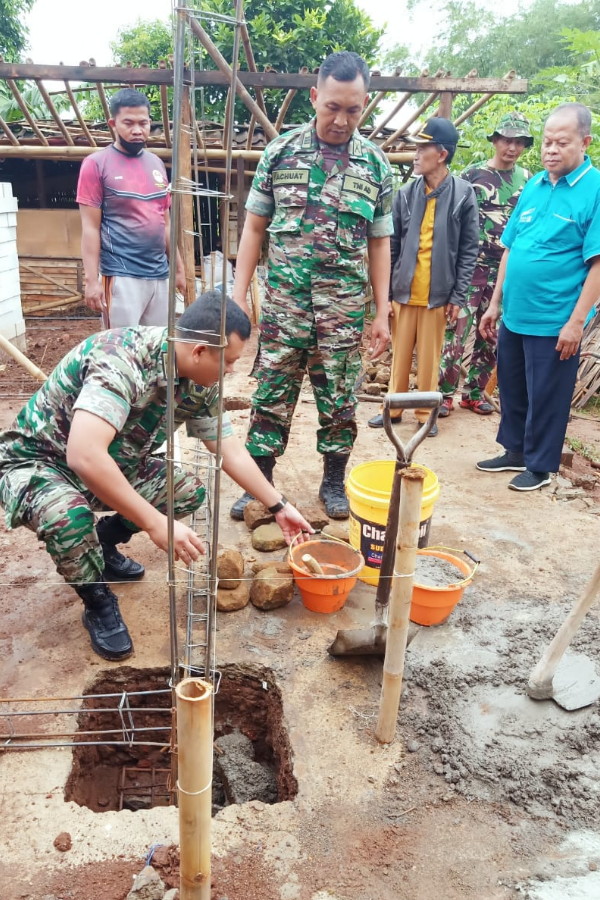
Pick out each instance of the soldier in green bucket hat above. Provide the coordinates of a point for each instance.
(497, 183)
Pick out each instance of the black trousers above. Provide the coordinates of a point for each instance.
(536, 389)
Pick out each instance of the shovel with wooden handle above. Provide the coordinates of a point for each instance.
(573, 682)
(371, 641)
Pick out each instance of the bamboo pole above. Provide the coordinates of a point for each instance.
(53, 111)
(21, 358)
(23, 107)
(402, 585)
(8, 134)
(80, 118)
(225, 68)
(400, 131)
(195, 764)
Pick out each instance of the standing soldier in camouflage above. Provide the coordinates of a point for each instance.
(85, 441)
(324, 194)
(498, 184)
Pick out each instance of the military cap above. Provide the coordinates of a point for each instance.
(513, 125)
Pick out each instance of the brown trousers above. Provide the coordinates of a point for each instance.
(420, 328)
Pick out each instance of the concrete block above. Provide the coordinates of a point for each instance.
(14, 332)
(9, 262)
(9, 284)
(5, 189)
(7, 233)
(8, 206)
(7, 248)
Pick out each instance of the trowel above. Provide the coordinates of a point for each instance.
(371, 641)
(571, 680)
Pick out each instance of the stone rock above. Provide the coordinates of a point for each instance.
(256, 514)
(373, 388)
(282, 567)
(268, 537)
(315, 516)
(173, 894)
(566, 457)
(569, 493)
(63, 841)
(588, 482)
(338, 531)
(242, 777)
(230, 569)
(270, 589)
(230, 600)
(148, 885)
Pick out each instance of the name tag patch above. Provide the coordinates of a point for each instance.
(360, 186)
(290, 176)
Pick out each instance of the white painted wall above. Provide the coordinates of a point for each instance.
(12, 324)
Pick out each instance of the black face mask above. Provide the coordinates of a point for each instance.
(132, 148)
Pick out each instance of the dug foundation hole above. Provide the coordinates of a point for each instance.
(253, 758)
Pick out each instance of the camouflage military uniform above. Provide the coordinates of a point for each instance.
(497, 193)
(321, 212)
(119, 376)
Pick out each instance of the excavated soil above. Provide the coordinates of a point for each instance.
(483, 795)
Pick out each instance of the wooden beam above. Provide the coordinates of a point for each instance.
(283, 80)
(164, 109)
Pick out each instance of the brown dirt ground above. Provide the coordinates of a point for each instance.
(403, 835)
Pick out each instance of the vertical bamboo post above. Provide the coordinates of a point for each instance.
(404, 567)
(195, 762)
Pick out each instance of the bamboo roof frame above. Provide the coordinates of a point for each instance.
(55, 139)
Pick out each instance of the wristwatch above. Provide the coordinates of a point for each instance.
(277, 507)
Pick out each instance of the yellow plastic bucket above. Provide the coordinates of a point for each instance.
(369, 488)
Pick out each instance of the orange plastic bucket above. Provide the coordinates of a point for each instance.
(341, 564)
(431, 605)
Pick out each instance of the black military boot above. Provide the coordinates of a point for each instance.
(266, 464)
(332, 491)
(101, 616)
(111, 530)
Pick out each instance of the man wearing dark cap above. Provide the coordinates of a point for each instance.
(434, 250)
(497, 184)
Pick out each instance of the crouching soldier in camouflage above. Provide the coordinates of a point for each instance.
(498, 184)
(85, 440)
(324, 194)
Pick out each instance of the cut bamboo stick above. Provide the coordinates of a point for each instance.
(195, 764)
(402, 586)
(21, 358)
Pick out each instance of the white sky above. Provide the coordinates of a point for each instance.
(69, 31)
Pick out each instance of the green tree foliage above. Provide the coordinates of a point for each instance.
(474, 36)
(578, 81)
(13, 32)
(285, 34)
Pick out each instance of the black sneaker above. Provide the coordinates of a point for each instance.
(377, 421)
(508, 462)
(529, 481)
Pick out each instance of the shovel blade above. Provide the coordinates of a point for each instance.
(360, 642)
(576, 683)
